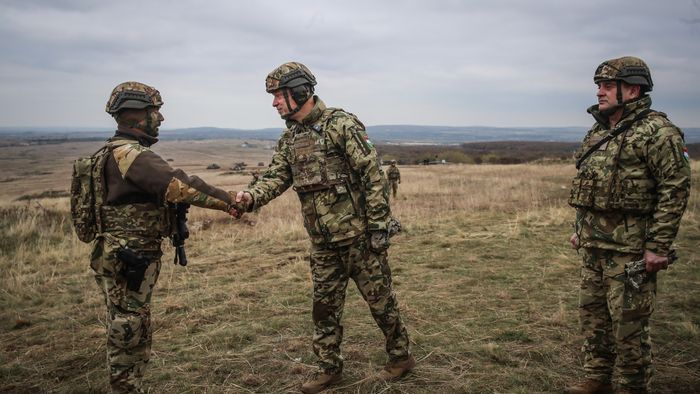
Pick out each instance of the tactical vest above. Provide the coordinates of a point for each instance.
(599, 186)
(317, 163)
(392, 173)
(92, 219)
(332, 204)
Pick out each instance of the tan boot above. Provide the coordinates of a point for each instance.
(320, 382)
(396, 370)
(589, 386)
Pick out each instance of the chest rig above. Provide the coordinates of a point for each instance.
(611, 177)
(318, 164)
(393, 173)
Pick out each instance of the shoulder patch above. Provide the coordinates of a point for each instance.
(340, 120)
(126, 154)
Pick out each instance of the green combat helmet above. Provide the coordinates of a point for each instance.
(629, 69)
(296, 79)
(133, 95)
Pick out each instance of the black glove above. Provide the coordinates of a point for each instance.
(379, 241)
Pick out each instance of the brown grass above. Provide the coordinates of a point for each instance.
(486, 282)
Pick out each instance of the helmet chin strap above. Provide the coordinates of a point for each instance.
(291, 112)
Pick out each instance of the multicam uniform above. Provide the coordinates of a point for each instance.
(394, 177)
(630, 195)
(329, 161)
(133, 214)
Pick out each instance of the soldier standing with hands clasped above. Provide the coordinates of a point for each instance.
(630, 193)
(327, 157)
(132, 189)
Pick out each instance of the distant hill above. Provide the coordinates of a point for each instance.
(403, 134)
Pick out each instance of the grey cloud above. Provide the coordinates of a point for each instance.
(503, 62)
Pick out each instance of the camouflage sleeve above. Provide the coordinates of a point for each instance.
(671, 170)
(362, 158)
(150, 173)
(278, 176)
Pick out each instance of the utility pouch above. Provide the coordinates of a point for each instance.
(582, 193)
(135, 266)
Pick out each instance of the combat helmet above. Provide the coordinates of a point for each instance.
(296, 79)
(629, 69)
(132, 95)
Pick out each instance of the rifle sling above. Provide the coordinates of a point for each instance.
(610, 136)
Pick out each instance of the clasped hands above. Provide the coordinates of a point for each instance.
(241, 203)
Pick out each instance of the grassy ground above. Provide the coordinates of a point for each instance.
(485, 278)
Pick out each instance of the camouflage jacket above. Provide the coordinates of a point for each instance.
(138, 183)
(631, 192)
(393, 173)
(332, 165)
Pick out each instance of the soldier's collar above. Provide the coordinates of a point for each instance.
(630, 110)
(313, 116)
(135, 134)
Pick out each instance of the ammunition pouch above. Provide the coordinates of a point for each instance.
(313, 173)
(628, 195)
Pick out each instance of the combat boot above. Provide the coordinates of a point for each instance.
(589, 386)
(320, 381)
(396, 370)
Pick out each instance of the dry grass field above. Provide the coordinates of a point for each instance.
(484, 275)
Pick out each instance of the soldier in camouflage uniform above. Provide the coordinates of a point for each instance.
(394, 176)
(326, 156)
(133, 214)
(630, 193)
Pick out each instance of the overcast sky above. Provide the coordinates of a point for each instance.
(429, 62)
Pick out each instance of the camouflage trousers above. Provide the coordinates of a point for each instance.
(615, 320)
(394, 188)
(331, 269)
(128, 312)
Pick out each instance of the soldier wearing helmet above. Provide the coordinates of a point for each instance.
(394, 176)
(630, 192)
(328, 159)
(133, 188)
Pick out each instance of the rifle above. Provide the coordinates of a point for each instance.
(181, 233)
(636, 271)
